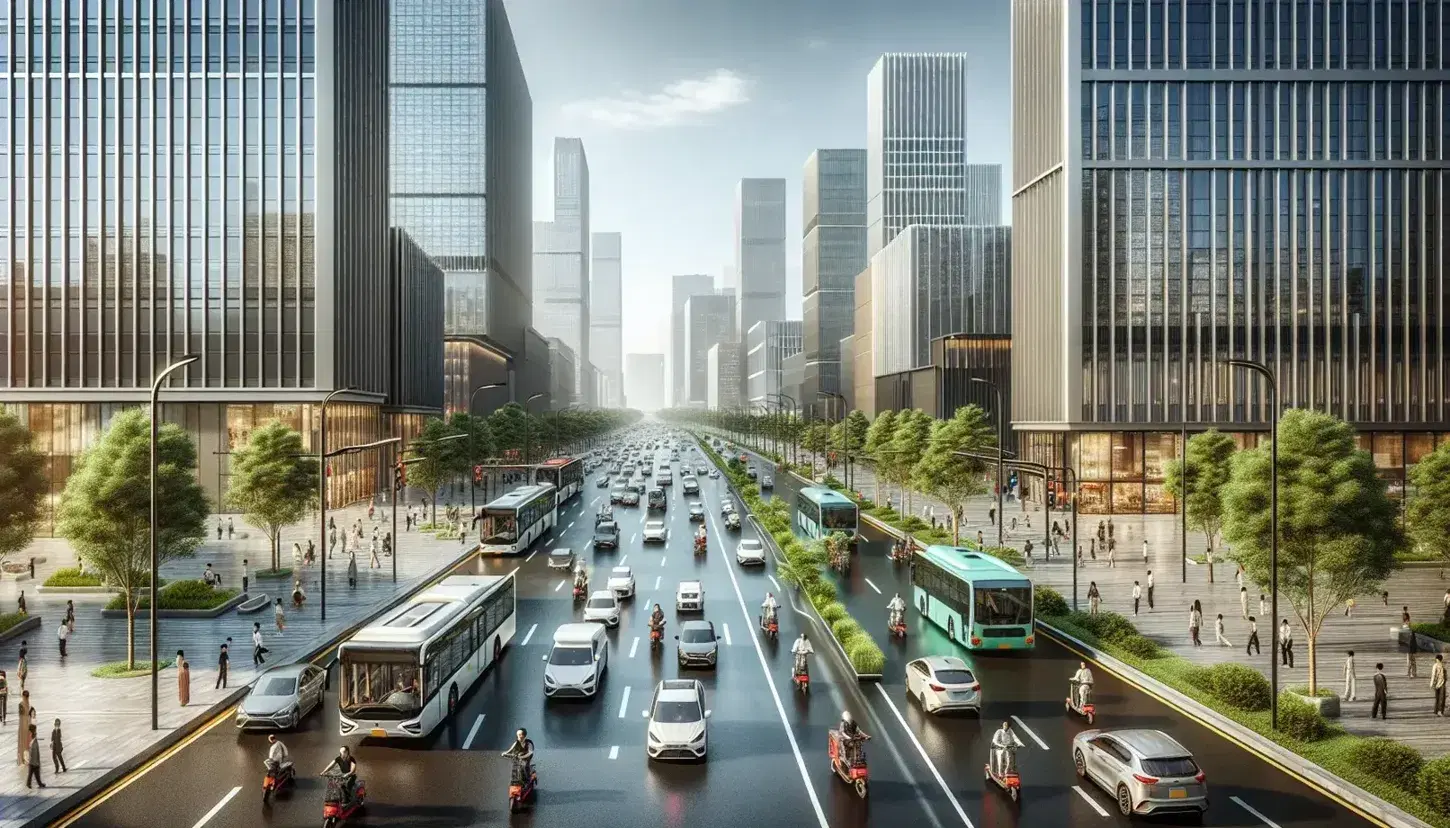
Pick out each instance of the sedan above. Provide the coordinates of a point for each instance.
(726, 507)
(621, 582)
(697, 512)
(561, 559)
(750, 551)
(714, 474)
(1145, 771)
(655, 531)
(281, 696)
(767, 482)
(701, 470)
(943, 683)
(603, 482)
(603, 607)
(630, 498)
(606, 535)
(616, 495)
(698, 645)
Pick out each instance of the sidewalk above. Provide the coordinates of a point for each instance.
(107, 721)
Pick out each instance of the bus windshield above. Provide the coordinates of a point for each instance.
(838, 517)
(499, 527)
(380, 684)
(998, 605)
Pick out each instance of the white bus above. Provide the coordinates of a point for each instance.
(512, 523)
(402, 674)
(566, 474)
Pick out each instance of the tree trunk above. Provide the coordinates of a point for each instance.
(130, 630)
(1208, 558)
(957, 526)
(1312, 639)
(274, 537)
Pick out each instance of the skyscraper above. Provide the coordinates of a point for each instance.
(709, 320)
(767, 345)
(833, 251)
(1166, 221)
(644, 381)
(606, 319)
(759, 252)
(561, 258)
(681, 289)
(461, 134)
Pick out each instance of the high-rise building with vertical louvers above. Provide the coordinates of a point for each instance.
(682, 287)
(1203, 181)
(833, 251)
(606, 313)
(759, 252)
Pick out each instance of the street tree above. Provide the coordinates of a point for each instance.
(850, 433)
(434, 462)
(272, 483)
(878, 445)
(475, 448)
(1429, 511)
(22, 486)
(908, 444)
(1337, 529)
(105, 511)
(944, 473)
(1200, 485)
(510, 428)
(816, 439)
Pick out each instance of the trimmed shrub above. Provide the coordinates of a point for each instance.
(10, 619)
(1387, 760)
(1140, 646)
(832, 612)
(1433, 784)
(1299, 718)
(822, 592)
(1439, 632)
(1048, 601)
(1240, 686)
(1199, 677)
(866, 656)
(181, 595)
(72, 576)
(914, 524)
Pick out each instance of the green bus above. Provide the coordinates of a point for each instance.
(821, 511)
(981, 601)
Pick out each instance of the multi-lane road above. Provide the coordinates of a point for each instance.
(767, 763)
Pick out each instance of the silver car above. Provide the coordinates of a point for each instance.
(1146, 771)
(281, 696)
(698, 645)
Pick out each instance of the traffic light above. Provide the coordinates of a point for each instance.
(400, 476)
(478, 475)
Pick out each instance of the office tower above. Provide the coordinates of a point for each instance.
(563, 373)
(722, 376)
(833, 251)
(1164, 223)
(916, 128)
(606, 313)
(709, 319)
(759, 252)
(984, 195)
(416, 353)
(933, 281)
(272, 268)
(561, 258)
(644, 381)
(681, 289)
(462, 164)
(863, 372)
(767, 344)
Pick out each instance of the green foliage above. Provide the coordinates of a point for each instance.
(129, 669)
(866, 656)
(436, 461)
(1337, 528)
(1199, 676)
(1241, 686)
(816, 438)
(180, 595)
(857, 426)
(1005, 553)
(1433, 783)
(270, 483)
(1300, 719)
(1386, 759)
(942, 472)
(822, 592)
(10, 619)
(277, 572)
(1140, 646)
(833, 612)
(1210, 457)
(474, 449)
(1048, 601)
(1428, 513)
(22, 486)
(878, 443)
(908, 446)
(845, 629)
(1439, 632)
(105, 511)
(511, 428)
(72, 576)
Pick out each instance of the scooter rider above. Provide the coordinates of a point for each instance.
(657, 619)
(1004, 750)
(522, 752)
(346, 766)
(897, 607)
(800, 649)
(1083, 683)
(581, 578)
(278, 752)
(851, 735)
(769, 606)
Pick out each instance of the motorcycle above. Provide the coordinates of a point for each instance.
(581, 591)
(1008, 781)
(278, 775)
(899, 553)
(337, 806)
(1080, 703)
(801, 674)
(699, 545)
(770, 625)
(521, 789)
(847, 762)
(896, 624)
(657, 637)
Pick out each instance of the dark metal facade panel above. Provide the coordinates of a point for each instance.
(416, 336)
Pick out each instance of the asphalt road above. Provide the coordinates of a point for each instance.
(767, 764)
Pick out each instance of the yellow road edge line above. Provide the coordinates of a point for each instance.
(1254, 749)
(156, 761)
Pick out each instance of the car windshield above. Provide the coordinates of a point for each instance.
(606, 529)
(697, 635)
(695, 507)
(839, 517)
(380, 684)
(655, 524)
(561, 554)
(997, 606)
(955, 676)
(601, 603)
(622, 572)
(278, 686)
(1170, 768)
(571, 656)
(750, 546)
(499, 527)
(676, 712)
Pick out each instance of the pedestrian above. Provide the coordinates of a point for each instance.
(70, 615)
(373, 559)
(1218, 632)
(1349, 607)
(331, 541)
(231, 529)
(32, 567)
(1350, 679)
(1150, 590)
(1263, 604)
(1252, 648)
(1014, 523)
(246, 579)
(23, 713)
(1286, 644)
(183, 679)
(223, 661)
(1137, 595)
(1195, 622)
(1081, 562)
(1093, 597)
(1145, 553)
(311, 557)
(1244, 601)
(1112, 554)
(992, 515)
(1385, 596)
(4, 697)
(1437, 683)
(1445, 618)
(352, 570)
(298, 595)
(210, 578)
(1239, 576)
(258, 650)
(1093, 548)
(1110, 527)
(1381, 694)
(296, 557)
(1027, 550)
(20, 604)
(61, 634)
(279, 616)
(57, 748)
(981, 546)
(371, 511)
(1412, 655)
(22, 668)
(219, 529)
(32, 757)
(1404, 618)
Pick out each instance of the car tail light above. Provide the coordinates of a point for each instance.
(1029, 639)
(1200, 777)
(1146, 780)
(937, 688)
(975, 687)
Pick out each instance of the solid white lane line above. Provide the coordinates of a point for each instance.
(774, 582)
(217, 807)
(559, 586)
(622, 560)
(528, 635)
(531, 556)
(658, 578)
(473, 731)
(614, 751)
(624, 703)
(726, 628)
(873, 586)
(795, 747)
(924, 757)
(1035, 737)
(634, 647)
(1092, 803)
(1242, 804)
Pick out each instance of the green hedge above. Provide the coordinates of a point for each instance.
(181, 595)
(1433, 784)
(1388, 760)
(72, 576)
(1241, 686)
(10, 619)
(1300, 719)
(1439, 632)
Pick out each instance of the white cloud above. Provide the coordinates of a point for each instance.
(676, 103)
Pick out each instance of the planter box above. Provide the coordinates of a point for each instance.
(26, 626)
(77, 590)
(1425, 642)
(253, 603)
(175, 613)
(1328, 706)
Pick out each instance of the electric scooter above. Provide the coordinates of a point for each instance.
(852, 770)
(1085, 708)
(1009, 781)
(521, 788)
(801, 675)
(770, 625)
(278, 775)
(581, 591)
(337, 808)
(896, 624)
(657, 637)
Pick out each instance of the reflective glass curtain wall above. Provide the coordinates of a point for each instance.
(833, 251)
(606, 312)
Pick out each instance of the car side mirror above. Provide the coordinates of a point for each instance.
(546, 658)
(677, 638)
(644, 713)
(707, 714)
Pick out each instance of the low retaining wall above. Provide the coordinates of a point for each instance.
(29, 624)
(1425, 643)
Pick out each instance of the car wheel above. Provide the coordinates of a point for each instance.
(1125, 801)
(1078, 764)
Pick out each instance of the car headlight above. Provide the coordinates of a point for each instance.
(549, 681)
(699, 737)
(653, 738)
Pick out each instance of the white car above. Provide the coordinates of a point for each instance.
(690, 597)
(655, 531)
(602, 607)
(621, 582)
(943, 683)
(750, 551)
(678, 721)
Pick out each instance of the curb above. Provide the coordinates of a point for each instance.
(253, 603)
(220, 609)
(76, 590)
(1352, 796)
(31, 623)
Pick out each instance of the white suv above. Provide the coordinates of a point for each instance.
(678, 721)
(655, 531)
(690, 597)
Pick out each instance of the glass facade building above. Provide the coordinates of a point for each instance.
(709, 319)
(1205, 180)
(767, 345)
(759, 252)
(682, 287)
(606, 313)
(562, 259)
(833, 251)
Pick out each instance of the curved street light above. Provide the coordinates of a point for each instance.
(155, 540)
(322, 456)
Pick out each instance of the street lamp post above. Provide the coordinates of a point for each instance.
(471, 397)
(794, 408)
(1001, 439)
(322, 495)
(155, 539)
(1263, 371)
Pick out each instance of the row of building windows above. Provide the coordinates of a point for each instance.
(180, 49)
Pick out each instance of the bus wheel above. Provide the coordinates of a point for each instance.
(951, 629)
(497, 647)
(452, 699)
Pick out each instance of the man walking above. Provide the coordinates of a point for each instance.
(1150, 589)
(231, 529)
(1286, 644)
(1253, 646)
(57, 749)
(1137, 594)
(246, 580)
(61, 635)
(1381, 693)
(223, 660)
(32, 759)
(1349, 677)
(1437, 683)
(257, 649)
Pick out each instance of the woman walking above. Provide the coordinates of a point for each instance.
(4, 697)
(1094, 598)
(70, 615)
(23, 734)
(279, 616)
(183, 679)
(1218, 632)
(1195, 621)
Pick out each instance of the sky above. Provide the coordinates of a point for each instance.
(677, 100)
